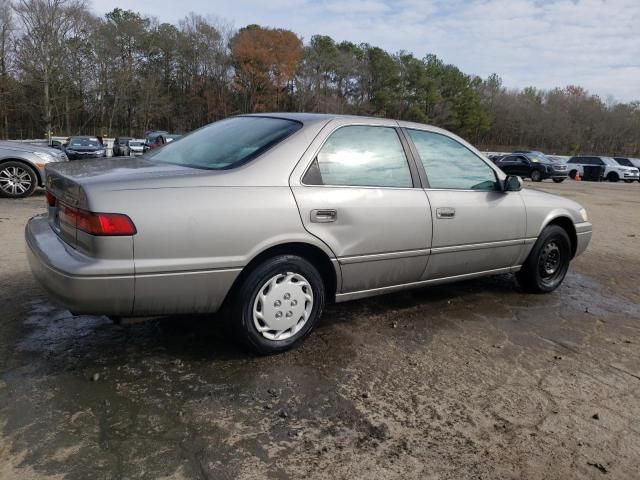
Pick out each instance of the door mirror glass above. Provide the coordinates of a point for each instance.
(512, 184)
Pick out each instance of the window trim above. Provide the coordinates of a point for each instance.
(411, 162)
(423, 172)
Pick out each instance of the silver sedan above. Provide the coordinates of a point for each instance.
(22, 167)
(268, 217)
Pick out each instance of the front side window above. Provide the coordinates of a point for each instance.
(226, 144)
(451, 165)
(361, 156)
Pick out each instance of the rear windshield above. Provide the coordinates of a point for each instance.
(227, 143)
(84, 142)
(135, 143)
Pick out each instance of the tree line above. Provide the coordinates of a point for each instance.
(65, 70)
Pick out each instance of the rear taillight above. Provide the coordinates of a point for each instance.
(101, 224)
(51, 199)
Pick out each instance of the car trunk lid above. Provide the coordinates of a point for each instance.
(70, 186)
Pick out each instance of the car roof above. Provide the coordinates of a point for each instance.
(309, 118)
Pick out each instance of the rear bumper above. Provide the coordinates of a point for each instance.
(583, 233)
(98, 286)
(76, 281)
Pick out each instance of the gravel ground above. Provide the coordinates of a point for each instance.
(470, 380)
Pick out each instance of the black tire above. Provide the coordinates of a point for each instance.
(536, 176)
(12, 172)
(613, 177)
(240, 311)
(572, 174)
(558, 180)
(540, 273)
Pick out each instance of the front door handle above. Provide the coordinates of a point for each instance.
(324, 216)
(445, 212)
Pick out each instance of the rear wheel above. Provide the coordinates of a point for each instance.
(536, 176)
(613, 177)
(277, 304)
(558, 180)
(17, 180)
(547, 264)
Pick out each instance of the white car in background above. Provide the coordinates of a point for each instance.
(136, 147)
(628, 162)
(612, 171)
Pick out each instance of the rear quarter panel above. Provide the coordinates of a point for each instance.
(192, 243)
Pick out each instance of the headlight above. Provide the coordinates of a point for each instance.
(44, 156)
(583, 214)
(99, 152)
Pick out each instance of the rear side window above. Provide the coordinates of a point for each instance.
(361, 156)
(226, 144)
(451, 165)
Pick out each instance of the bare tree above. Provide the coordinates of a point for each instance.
(47, 26)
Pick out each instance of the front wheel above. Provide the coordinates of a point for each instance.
(17, 180)
(547, 264)
(613, 177)
(277, 304)
(536, 176)
(558, 180)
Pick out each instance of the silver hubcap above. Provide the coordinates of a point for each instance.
(15, 180)
(283, 306)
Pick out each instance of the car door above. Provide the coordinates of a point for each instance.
(476, 226)
(508, 165)
(357, 190)
(523, 166)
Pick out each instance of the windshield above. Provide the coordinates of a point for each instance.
(227, 143)
(135, 144)
(609, 161)
(624, 161)
(539, 157)
(84, 142)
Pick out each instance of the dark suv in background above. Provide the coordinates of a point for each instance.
(534, 165)
(81, 147)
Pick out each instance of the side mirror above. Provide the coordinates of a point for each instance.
(512, 184)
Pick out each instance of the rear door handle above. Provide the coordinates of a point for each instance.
(324, 216)
(445, 212)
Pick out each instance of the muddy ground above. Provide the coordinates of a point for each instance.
(472, 380)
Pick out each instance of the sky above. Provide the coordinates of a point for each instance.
(540, 43)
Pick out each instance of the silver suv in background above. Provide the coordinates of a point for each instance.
(612, 170)
(22, 167)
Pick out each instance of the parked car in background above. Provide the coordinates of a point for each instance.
(159, 138)
(628, 162)
(275, 215)
(121, 146)
(136, 147)
(83, 147)
(57, 144)
(533, 165)
(22, 167)
(611, 170)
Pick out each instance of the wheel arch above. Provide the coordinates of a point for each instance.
(28, 164)
(567, 224)
(328, 267)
